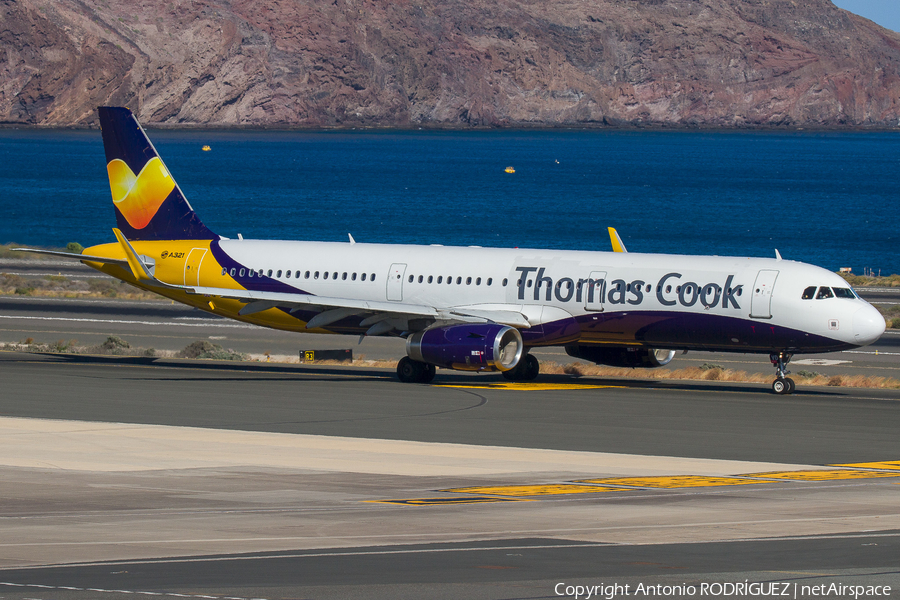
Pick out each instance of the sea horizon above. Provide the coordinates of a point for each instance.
(822, 197)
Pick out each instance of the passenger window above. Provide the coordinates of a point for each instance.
(306, 275)
(242, 272)
(490, 280)
(421, 279)
(411, 278)
(363, 276)
(440, 279)
(478, 281)
(224, 271)
(344, 277)
(372, 278)
(430, 279)
(279, 274)
(824, 292)
(325, 275)
(232, 272)
(353, 277)
(468, 281)
(843, 293)
(269, 273)
(458, 280)
(316, 275)
(505, 281)
(251, 273)
(808, 293)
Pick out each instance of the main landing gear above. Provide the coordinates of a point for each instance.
(413, 371)
(527, 369)
(782, 384)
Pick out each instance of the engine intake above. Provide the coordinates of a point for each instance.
(468, 347)
(634, 357)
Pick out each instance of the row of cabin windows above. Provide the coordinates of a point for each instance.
(827, 292)
(234, 272)
(449, 280)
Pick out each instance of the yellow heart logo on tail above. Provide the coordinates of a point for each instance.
(139, 197)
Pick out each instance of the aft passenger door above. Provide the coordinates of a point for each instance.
(594, 291)
(192, 266)
(761, 302)
(395, 282)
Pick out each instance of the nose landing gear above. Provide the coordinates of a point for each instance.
(782, 383)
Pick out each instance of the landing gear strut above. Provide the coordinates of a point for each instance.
(782, 383)
(527, 369)
(413, 371)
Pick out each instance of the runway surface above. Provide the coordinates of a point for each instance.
(124, 477)
(206, 479)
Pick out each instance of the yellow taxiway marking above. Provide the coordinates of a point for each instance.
(826, 475)
(534, 490)
(887, 464)
(445, 501)
(529, 387)
(670, 481)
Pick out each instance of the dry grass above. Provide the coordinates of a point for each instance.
(59, 286)
(716, 374)
(873, 281)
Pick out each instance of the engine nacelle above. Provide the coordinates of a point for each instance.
(468, 347)
(634, 357)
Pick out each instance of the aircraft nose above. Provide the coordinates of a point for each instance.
(868, 325)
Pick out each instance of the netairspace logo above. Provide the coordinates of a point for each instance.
(738, 589)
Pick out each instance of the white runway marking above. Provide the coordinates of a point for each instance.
(820, 362)
(103, 591)
(173, 323)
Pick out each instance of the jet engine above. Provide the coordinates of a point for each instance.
(630, 356)
(468, 347)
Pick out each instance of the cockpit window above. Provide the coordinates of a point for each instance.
(809, 292)
(843, 293)
(824, 292)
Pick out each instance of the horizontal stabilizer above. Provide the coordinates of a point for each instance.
(121, 262)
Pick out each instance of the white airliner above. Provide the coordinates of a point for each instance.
(474, 309)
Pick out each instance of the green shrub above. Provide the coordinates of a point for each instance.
(74, 248)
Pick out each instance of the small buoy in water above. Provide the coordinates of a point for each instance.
(206, 148)
(509, 170)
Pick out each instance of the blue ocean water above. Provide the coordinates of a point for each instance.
(829, 199)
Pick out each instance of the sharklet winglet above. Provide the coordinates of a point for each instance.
(138, 269)
(617, 244)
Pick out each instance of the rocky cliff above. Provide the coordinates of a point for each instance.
(448, 62)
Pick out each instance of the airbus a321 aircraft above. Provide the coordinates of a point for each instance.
(473, 309)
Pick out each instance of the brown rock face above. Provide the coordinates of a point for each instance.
(448, 63)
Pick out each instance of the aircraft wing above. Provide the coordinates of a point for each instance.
(335, 309)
